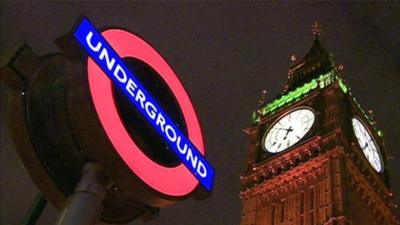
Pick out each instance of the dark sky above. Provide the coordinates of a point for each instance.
(224, 53)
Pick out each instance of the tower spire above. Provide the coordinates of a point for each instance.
(315, 62)
(316, 29)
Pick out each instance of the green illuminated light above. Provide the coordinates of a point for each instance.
(322, 81)
(370, 121)
(293, 96)
(362, 110)
(314, 84)
(254, 117)
(343, 86)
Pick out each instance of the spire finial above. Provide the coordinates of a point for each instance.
(293, 58)
(263, 96)
(316, 28)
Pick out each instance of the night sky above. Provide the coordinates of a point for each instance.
(225, 54)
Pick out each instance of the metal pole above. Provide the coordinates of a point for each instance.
(35, 211)
(84, 206)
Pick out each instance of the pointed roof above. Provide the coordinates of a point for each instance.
(317, 61)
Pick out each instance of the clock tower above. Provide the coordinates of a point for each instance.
(315, 156)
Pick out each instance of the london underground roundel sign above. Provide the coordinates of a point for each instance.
(104, 67)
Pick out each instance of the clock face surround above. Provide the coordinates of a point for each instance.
(367, 144)
(288, 130)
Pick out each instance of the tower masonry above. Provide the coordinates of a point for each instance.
(315, 156)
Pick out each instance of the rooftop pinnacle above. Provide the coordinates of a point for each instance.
(316, 28)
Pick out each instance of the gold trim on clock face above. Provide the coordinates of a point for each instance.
(288, 130)
(368, 144)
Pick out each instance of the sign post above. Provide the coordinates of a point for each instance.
(84, 206)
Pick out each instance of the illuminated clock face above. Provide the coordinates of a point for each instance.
(288, 130)
(367, 144)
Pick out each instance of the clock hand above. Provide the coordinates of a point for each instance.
(365, 146)
(280, 128)
(287, 132)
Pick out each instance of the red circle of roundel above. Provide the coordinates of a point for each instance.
(176, 181)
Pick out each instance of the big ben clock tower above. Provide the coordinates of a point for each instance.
(315, 157)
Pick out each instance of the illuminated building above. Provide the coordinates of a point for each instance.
(314, 155)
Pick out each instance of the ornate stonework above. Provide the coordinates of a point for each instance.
(325, 179)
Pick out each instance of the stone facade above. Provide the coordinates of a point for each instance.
(324, 179)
